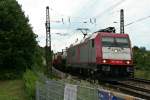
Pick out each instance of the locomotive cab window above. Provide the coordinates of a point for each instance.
(92, 43)
(107, 41)
(122, 42)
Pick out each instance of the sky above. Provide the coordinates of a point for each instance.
(106, 12)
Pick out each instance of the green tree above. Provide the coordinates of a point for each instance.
(17, 40)
(141, 58)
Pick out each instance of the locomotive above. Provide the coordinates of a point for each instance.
(104, 54)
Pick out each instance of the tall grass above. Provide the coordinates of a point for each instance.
(30, 79)
(142, 74)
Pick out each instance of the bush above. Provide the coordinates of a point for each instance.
(7, 74)
(30, 79)
(142, 74)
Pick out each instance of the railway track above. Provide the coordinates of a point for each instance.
(140, 80)
(135, 87)
(138, 88)
(132, 91)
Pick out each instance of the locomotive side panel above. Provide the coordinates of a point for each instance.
(72, 55)
(91, 51)
(84, 53)
(98, 49)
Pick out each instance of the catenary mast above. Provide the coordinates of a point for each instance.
(48, 54)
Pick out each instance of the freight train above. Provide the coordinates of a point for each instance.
(102, 55)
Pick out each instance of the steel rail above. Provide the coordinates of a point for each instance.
(130, 91)
(140, 80)
(135, 87)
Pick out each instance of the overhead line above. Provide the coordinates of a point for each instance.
(109, 9)
(138, 20)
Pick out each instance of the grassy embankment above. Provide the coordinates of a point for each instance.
(142, 74)
(12, 90)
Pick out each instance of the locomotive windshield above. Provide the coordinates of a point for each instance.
(115, 42)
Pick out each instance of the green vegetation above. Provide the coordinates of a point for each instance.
(12, 90)
(30, 76)
(19, 53)
(142, 74)
(17, 40)
(142, 62)
(30, 79)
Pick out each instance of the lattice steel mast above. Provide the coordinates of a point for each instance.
(48, 41)
(121, 21)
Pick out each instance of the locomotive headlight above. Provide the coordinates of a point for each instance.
(116, 50)
(128, 62)
(104, 61)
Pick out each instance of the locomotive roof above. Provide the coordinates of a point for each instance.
(93, 36)
(89, 37)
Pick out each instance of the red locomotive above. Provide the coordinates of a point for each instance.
(103, 54)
